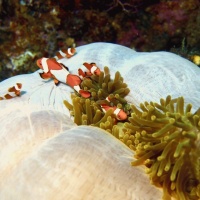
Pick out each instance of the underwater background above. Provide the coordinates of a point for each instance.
(30, 29)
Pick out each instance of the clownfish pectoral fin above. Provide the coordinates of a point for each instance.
(56, 81)
(45, 75)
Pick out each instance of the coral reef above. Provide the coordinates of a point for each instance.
(32, 29)
(175, 22)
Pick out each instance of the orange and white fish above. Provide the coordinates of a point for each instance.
(92, 70)
(13, 91)
(119, 113)
(65, 53)
(52, 69)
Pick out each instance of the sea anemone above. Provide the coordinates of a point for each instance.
(89, 111)
(45, 155)
(165, 138)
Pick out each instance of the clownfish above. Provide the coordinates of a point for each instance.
(13, 91)
(92, 70)
(119, 113)
(65, 53)
(52, 69)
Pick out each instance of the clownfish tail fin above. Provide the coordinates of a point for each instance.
(84, 94)
(8, 96)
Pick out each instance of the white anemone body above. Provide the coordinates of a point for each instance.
(44, 155)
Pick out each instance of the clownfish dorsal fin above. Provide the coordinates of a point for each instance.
(81, 73)
(87, 65)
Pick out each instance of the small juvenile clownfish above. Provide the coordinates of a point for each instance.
(92, 70)
(65, 53)
(52, 69)
(13, 91)
(119, 113)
